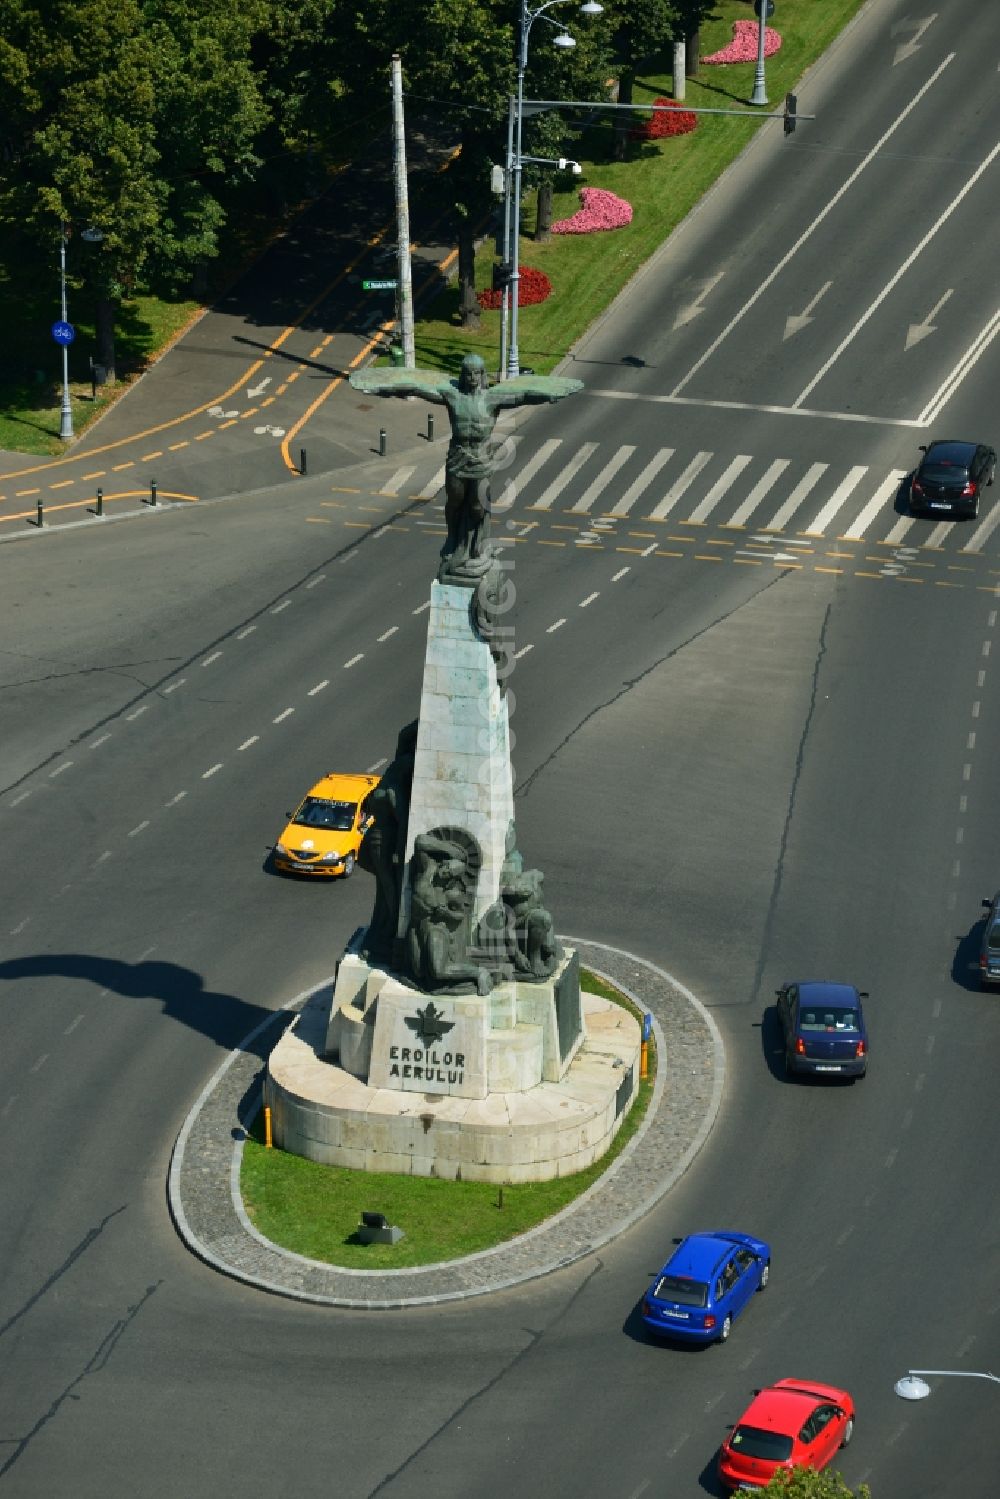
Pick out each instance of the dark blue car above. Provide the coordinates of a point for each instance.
(705, 1284)
(824, 1029)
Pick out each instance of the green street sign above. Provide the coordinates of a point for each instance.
(379, 285)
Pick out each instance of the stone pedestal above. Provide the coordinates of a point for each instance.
(462, 774)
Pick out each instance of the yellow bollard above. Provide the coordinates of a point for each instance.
(644, 1060)
(267, 1128)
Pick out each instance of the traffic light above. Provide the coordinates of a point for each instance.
(501, 274)
(791, 105)
(768, 13)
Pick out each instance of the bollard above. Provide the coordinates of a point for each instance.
(41, 514)
(500, 1199)
(644, 1060)
(100, 502)
(152, 491)
(381, 442)
(302, 461)
(268, 1142)
(430, 426)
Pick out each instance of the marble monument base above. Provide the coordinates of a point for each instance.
(322, 1110)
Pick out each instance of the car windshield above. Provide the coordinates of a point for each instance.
(993, 940)
(945, 473)
(317, 812)
(835, 1018)
(678, 1288)
(753, 1441)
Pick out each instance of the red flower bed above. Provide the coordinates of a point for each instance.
(533, 286)
(674, 119)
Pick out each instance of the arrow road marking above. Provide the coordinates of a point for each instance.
(918, 331)
(913, 45)
(689, 313)
(800, 320)
(259, 390)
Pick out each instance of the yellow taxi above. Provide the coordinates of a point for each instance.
(324, 835)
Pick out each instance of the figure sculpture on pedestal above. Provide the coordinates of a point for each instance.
(383, 848)
(473, 407)
(442, 892)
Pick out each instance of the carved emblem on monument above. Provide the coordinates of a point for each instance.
(430, 1024)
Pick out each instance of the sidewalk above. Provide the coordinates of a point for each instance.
(203, 1185)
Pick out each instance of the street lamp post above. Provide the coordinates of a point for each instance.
(66, 411)
(913, 1387)
(764, 8)
(564, 40)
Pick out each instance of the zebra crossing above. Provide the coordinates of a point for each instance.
(737, 491)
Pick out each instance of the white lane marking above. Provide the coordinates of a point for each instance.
(807, 234)
(101, 857)
(765, 483)
(713, 1401)
(211, 770)
(888, 487)
(955, 376)
(986, 529)
(641, 1489)
(348, 556)
(815, 1276)
(649, 550)
(673, 1451)
(900, 529)
(173, 686)
(745, 1362)
(890, 1159)
(8, 1105)
(894, 1436)
(354, 660)
(565, 475)
(966, 771)
(527, 473)
(635, 489)
(422, 608)
(959, 835)
(557, 626)
(956, 869)
(129, 717)
(721, 487)
(40, 1063)
(16, 801)
(59, 769)
(398, 479)
(431, 489)
(72, 1026)
(602, 481)
(907, 1119)
(278, 607)
(140, 828)
(930, 1044)
(986, 647)
(391, 631)
(843, 1237)
(175, 799)
(254, 739)
(936, 1010)
(286, 713)
(940, 534)
(992, 618)
(839, 498)
(980, 679)
(683, 484)
(918, 1082)
(20, 926)
(975, 709)
(523, 651)
(248, 630)
(970, 742)
(873, 307)
(963, 807)
(808, 481)
(965, 1345)
(588, 600)
(617, 577)
(377, 766)
(213, 657)
(319, 687)
(314, 582)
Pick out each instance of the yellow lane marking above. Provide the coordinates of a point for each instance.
(281, 389)
(148, 457)
(702, 557)
(319, 520)
(747, 561)
(839, 554)
(877, 576)
(797, 566)
(19, 493)
(819, 569)
(125, 494)
(97, 474)
(635, 551)
(342, 489)
(116, 468)
(358, 525)
(543, 543)
(175, 445)
(692, 522)
(712, 543)
(200, 436)
(943, 583)
(556, 526)
(908, 580)
(252, 411)
(63, 483)
(267, 401)
(649, 535)
(659, 553)
(316, 352)
(228, 424)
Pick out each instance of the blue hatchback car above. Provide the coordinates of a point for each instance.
(824, 1029)
(705, 1284)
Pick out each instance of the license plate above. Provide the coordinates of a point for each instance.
(940, 505)
(681, 1316)
(827, 1067)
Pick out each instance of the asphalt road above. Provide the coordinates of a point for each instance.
(746, 754)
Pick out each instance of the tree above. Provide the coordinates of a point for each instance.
(641, 28)
(806, 1483)
(126, 119)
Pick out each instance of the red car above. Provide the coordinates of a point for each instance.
(793, 1424)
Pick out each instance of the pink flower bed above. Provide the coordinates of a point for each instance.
(672, 119)
(743, 47)
(601, 210)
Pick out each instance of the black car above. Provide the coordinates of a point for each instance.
(989, 948)
(951, 475)
(824, 1029)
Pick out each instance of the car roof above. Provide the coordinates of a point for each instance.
(950, 450)
(699, 1255)
(820, 992)
(784, 1406)
(343, 788)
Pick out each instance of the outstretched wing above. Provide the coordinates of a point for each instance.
(549, 385)
(376, 381)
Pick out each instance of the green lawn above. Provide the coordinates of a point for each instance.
(661, 180)
(314, 1210)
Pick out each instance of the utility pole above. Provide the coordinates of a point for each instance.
(404, 292)
(506, 255)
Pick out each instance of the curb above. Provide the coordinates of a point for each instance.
(203, 1182)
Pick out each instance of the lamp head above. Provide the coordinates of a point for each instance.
(591, 8)
(564, 40)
